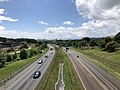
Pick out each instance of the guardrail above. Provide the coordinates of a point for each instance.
(14, 74)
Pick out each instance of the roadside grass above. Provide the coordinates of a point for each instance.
(110, 62)
(70, 77)
(14, 66)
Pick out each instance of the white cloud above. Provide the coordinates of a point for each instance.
(43, 23)
(4, 18)
(103, 16)
(4, 0)
(2, 28)
(19, 34)
(2, 11)
(99, 9)
(91, 29)
(68, 23)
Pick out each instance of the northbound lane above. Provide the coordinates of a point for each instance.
(91, 76)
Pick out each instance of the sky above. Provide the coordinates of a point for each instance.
(59, 19)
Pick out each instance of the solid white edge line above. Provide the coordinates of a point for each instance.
(78, 74)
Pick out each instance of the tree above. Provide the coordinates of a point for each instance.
(75, 44)
(23, 54)
(14, 56)
(2, 60)
(93, 43)
(32, 52)
(40, 51)
(111, 46)
(43, 46)
(25, 45)
(82, 43)
(69, 43)
(87, 39)
(107, 39)
(117, 37)
(9, 58)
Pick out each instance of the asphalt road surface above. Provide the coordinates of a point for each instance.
(91, 76)
(24, 80)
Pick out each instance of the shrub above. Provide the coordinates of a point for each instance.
(25, 45)
(32, 52)
(43, 46)
(40, 51)
(111, 46)
(2, 60)
(117, 37)
(10, 49)
(9, 58)
(14, 56)
(23, 54)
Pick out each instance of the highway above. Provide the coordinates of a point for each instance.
(90, 75)
(24, 80)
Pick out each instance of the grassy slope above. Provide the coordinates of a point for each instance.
(70, 78)
(108, 61)
(15, 66)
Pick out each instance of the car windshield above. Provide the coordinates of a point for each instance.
(37, 73)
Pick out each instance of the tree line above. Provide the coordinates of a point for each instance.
(3, 39)
(110, 44)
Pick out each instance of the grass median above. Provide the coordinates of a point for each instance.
(13, 67)
(110, 62)
(69, 75)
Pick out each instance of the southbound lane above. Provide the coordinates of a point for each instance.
(24, 80)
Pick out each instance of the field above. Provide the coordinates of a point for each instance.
(69, 75)
(12, 67)
(108, 61)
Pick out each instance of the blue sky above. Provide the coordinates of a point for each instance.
(29, 12)
(58, 19)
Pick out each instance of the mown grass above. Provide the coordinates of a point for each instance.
(108, 61)
(69, 75)
(12, 67)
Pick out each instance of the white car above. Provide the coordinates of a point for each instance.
(40, 61)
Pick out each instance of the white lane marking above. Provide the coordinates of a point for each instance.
(100, 83)
(104, 79)
(78, 74)
(37, 81)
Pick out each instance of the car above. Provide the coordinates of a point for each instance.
(36, 75)
(46, 56)
(51, 52)
(51, 49)
(77, 56)
(40, 61)
(67, 48)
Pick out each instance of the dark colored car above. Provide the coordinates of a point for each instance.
(40, 61)
(46, 56)
(52, 53)
(36, 74)
(51, 49)
(77, 56)
(67, 48)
